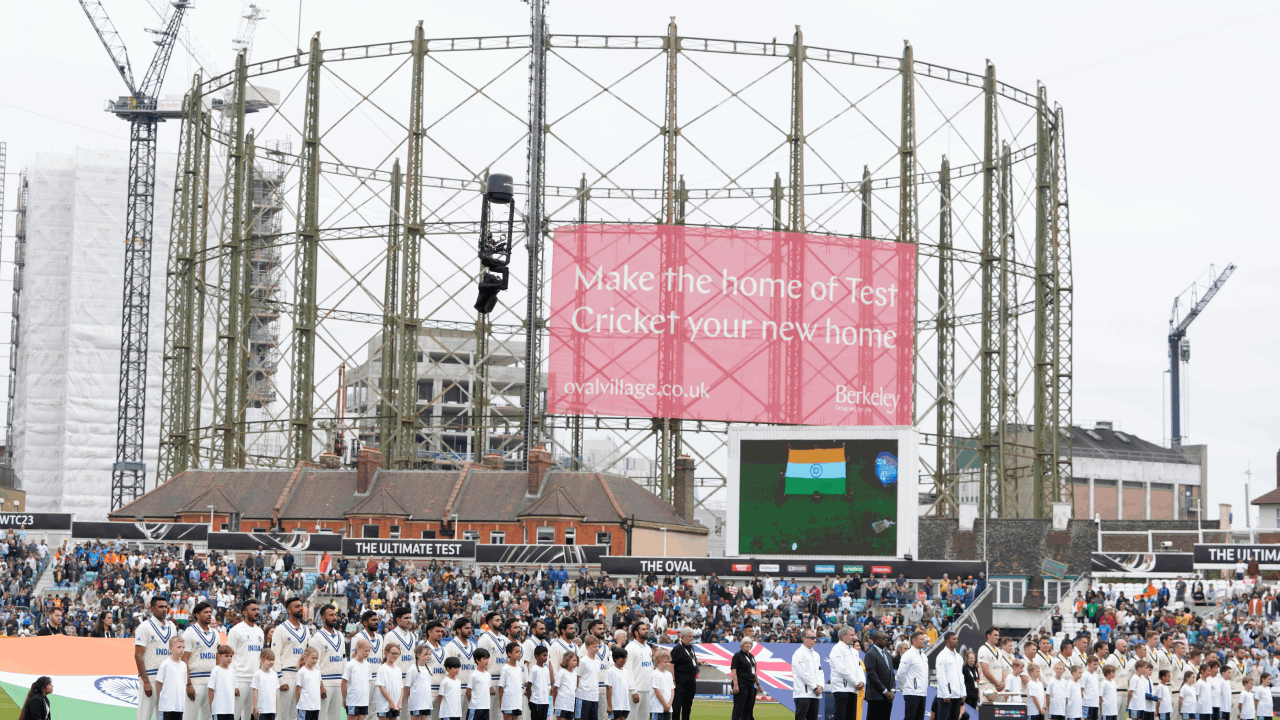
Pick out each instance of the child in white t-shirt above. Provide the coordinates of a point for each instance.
(308, 692)
(356, 678)
(222, 683)
(539, 685)
(1013, 684)
(417, 682)
(1248, 709)
(1188, 706)
(449, 697)
(663, 687)
(1263, 693)
(1164, 708)
(478, 702)
(265, 686)
(1206, 691)
(390, 684)
(617, 693)
(1075, 705)
(1107, 693)
(1057, 690)
(511, 683)
(1035, 693)
(1089, 689)
(565, 693)
(171, 682)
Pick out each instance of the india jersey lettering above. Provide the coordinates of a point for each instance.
(246, 640)
(406, 641)
(435, 664)
(154, 636)
(462, 650)
(332, 649)
(639, 667)
(288, 643)
(497, 647)
(203, 647)
(375, 651)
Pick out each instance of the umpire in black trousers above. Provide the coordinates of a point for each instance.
(880, 678)
(685, 664)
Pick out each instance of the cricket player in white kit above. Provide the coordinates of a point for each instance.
(201, 655)
(461, 647)
(639, 669)
(332, 646)
(246, 639)
(150, 650)
(402, 636)
(288, 642)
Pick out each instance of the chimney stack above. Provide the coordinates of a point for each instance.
(368, 461)
(682, 489)
(539, 466)
(493, 461)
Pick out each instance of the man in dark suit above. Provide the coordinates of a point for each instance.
(880, 678)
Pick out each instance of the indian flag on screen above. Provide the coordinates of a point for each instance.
(815, 471)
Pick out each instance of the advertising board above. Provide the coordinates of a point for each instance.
(836, 491)
(730, 324)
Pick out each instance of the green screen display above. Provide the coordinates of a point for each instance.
(818, 497)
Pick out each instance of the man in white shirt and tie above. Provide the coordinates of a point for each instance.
(847, 677)
(913, 677)
(949, 669)
(806, 674)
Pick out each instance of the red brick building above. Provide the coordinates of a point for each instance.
(545, 506)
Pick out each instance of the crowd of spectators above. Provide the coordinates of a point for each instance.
(102, 588)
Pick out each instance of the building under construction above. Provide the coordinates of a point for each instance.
(375, 233)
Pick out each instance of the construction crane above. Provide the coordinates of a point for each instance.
(1180, 346)
(144, 111)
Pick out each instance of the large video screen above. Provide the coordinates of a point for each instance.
(822, 493)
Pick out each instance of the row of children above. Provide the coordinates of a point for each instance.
(574, 695)
(1082, 693)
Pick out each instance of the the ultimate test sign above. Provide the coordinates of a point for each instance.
(722, 324)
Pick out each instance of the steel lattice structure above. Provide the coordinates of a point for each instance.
(663, 129)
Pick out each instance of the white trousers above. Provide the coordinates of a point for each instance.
(641, 709)
(330, 706)
(244, 701)
(198, 709)
(285, 706)
(147, 705)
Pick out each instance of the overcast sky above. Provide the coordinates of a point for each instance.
(1173, 156)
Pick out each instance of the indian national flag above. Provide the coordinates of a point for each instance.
(92, 677)
(820, 471)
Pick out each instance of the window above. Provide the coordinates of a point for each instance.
(424, 390)
(546, 536)
(428, 534)
(471, 535)
(497, 538)
(370, 531)
(1009, 591)
(1054, 590)
(457, 392)
(570, 535)
(395, 532)
(604, 538)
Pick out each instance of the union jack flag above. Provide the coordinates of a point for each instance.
(773, 672)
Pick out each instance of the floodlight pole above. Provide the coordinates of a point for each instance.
(534, 221)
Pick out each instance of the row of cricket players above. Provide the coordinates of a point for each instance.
(1071, 688)
(310, 675)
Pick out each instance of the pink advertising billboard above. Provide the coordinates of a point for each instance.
(724, 324)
